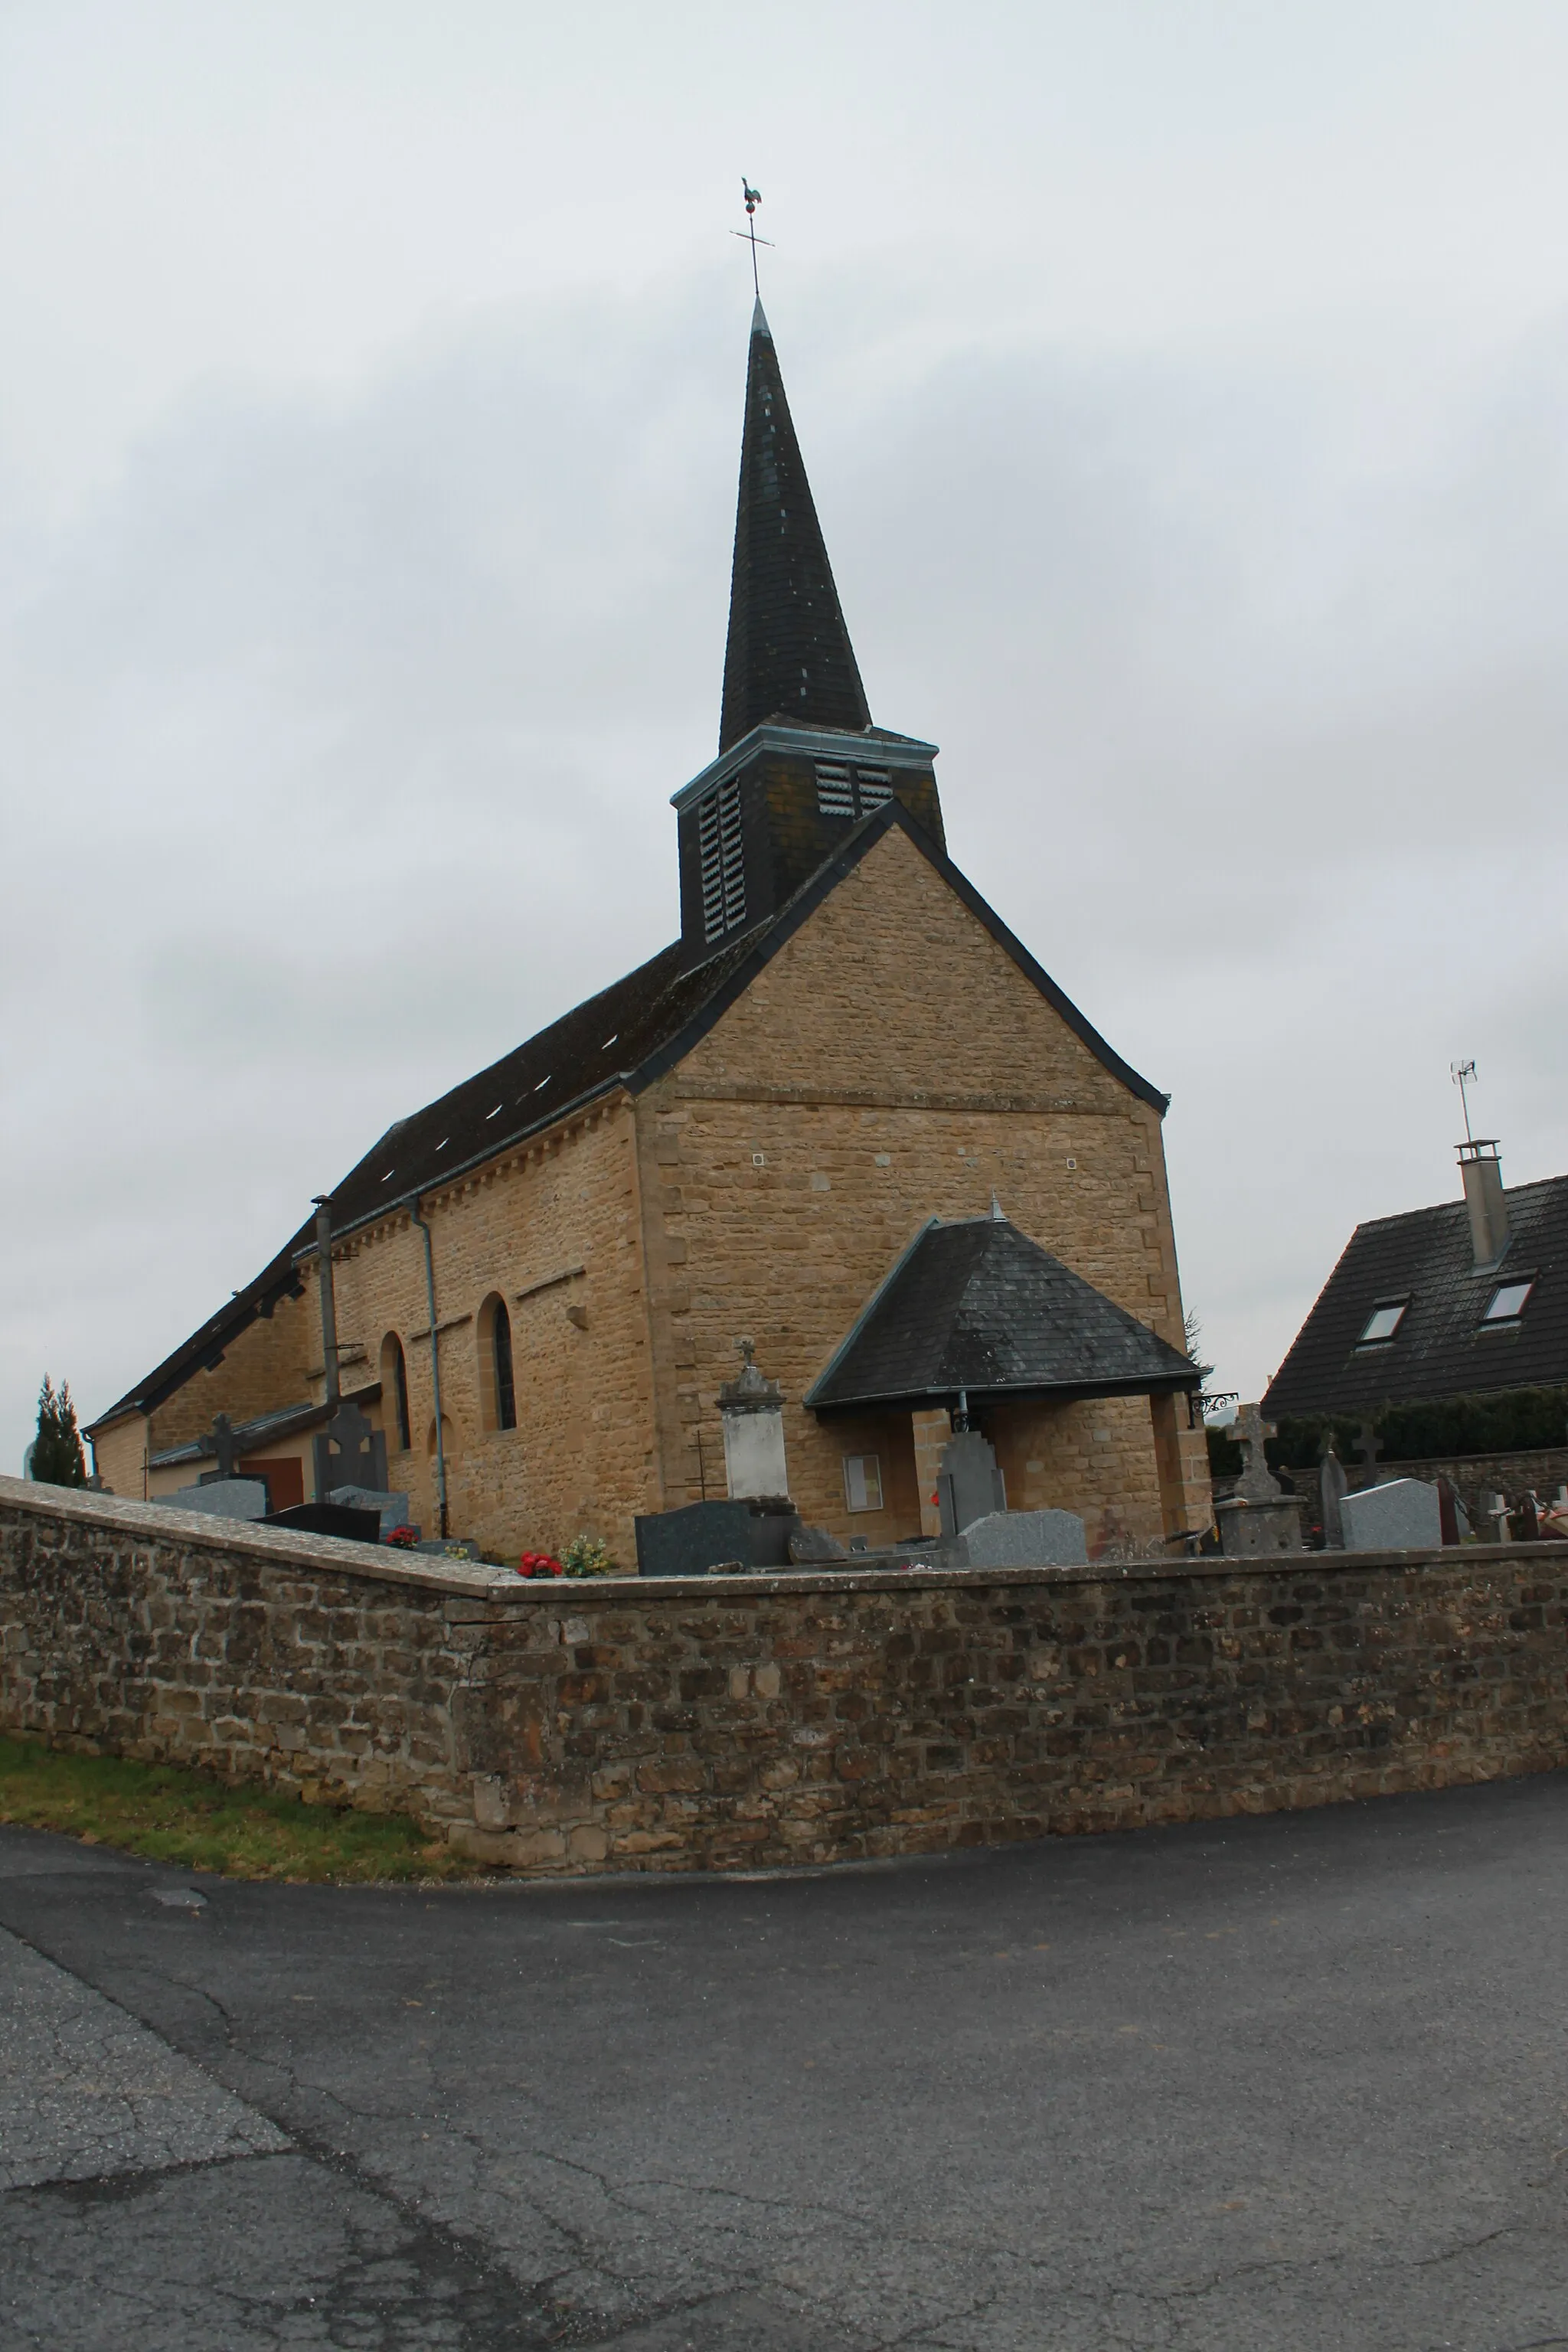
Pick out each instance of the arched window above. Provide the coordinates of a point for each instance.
(500, 1355)
(395, 1391)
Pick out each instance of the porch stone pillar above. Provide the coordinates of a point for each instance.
(1182, 1458)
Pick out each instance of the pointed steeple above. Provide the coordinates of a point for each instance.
(789, 656)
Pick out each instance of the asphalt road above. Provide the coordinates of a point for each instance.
(1295, 2082)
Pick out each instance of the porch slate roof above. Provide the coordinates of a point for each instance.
(977, 1305)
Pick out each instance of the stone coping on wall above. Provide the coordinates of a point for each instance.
(475, 1581)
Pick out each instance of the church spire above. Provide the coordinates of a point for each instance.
(789, 657)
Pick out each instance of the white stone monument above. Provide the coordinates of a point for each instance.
(753, 1413)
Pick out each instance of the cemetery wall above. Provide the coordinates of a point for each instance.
(762, 1720)
(889, 1065)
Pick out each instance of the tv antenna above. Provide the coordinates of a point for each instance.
(1463, 1074)
(752, 197)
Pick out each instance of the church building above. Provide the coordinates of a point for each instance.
(845, 1117)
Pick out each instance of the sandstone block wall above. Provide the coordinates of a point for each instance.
(686, 1724)
(891, 1064)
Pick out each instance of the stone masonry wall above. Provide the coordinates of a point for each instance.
(679, 1724)
(892, 1064)
(579, 1459)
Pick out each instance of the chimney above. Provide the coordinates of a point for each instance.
(1486, 1201)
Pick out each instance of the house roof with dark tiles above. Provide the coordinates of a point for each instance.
(1441, 1347)
(977, 1305)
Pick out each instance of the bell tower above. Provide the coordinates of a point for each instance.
(800, 762)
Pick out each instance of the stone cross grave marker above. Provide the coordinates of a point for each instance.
(225, 1445)
(1368, 1446)
(1256, 1483)
(350, 1452)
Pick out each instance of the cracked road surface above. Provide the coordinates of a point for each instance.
(1297, 2082)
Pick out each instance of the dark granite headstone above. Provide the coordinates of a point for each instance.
(689, 1542)
(328, 1519)
(772, 1523)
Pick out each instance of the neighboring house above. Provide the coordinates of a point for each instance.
(541, 1279)
(1468, 1299)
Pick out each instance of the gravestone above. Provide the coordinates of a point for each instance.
(773, 1521)
(225, 1444)
(1258, 1516)
(969, 1484)
(811, 1547)
(689, 1542)
(392, 1509)
(329, 1520)
(1454, 1518)
(1368, 1446)
(1026, 1540)
(348, 1453)
(1402, 1516)
(221, 1498)
(751, 1409)
(1335, 1487)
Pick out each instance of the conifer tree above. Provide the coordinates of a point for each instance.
(57, 1457)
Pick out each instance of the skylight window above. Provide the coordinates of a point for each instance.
(1506, 1303)
(1382, 1323)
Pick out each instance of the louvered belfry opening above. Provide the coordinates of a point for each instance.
(800, 762)
(722, 851)
(789, 655)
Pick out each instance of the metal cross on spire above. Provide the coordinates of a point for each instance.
(753, 197)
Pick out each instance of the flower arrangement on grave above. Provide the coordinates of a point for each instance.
(539, 1563)
(586, 1556)
(404, 1537)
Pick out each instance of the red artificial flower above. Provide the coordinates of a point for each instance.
(404, 1537)
(539, 1563)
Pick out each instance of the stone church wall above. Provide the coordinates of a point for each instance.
(687, 1724)
(580, 1457)
(794, 1154)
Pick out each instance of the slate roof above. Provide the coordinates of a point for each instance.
(627, 1036)
(978, 1306)
(1441, 1347)
(788, 655)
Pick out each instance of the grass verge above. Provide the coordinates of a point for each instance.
(198, 1822)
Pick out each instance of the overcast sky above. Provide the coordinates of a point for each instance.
(1184, 391)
